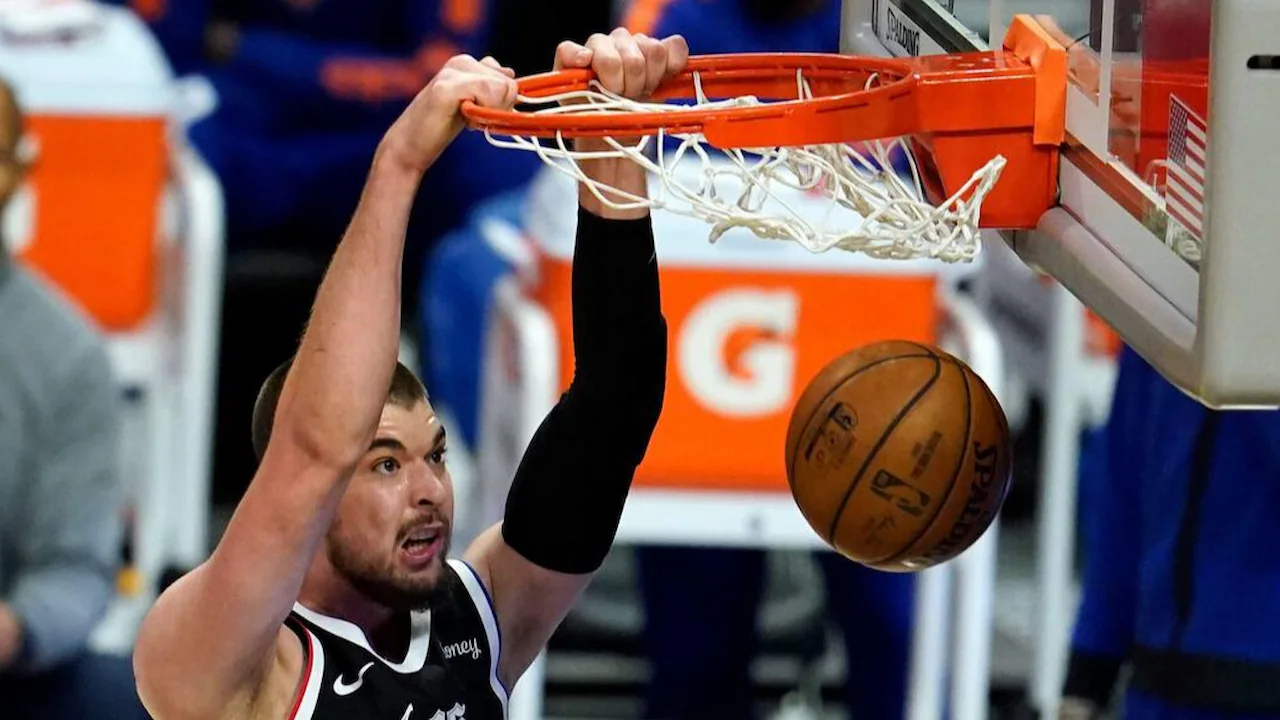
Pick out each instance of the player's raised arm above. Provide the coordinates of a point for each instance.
(566, 500)
(210, 641)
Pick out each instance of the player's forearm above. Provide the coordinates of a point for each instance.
(618, 328)
(334, 396)
(625, 175)
(565, 503)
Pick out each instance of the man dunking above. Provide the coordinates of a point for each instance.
(329, 595)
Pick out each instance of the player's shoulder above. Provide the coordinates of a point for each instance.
(465, 620)
(465, 624)
(466, 592)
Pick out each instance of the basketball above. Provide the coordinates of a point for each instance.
(898, 455)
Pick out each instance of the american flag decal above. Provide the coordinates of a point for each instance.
(1188, 158)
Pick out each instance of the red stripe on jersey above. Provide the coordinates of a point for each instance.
(306, 679)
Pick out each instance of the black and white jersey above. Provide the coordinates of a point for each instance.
(449, 673)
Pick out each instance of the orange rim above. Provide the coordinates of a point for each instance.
(960, 111)
(838, 82)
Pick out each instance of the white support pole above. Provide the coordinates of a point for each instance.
(974, 610)
(927, 681)
(975, 570)
(201, 280)
(528, 695)
(1057, 511)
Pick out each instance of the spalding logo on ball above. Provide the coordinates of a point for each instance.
(898, 455)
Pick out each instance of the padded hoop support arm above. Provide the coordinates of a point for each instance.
(1011, 103)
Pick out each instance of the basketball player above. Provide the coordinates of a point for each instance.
(330, 595)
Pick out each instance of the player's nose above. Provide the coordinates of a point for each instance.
(428, 487)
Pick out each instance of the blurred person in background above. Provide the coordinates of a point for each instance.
(736, 26)
(701, 603)
(60, 507)
(305, 89)
(1180, 578)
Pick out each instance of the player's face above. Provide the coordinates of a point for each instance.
(391, 534)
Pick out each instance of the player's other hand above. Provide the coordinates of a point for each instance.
(434, 118)
(630, 65)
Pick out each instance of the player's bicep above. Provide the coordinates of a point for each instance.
(191, 661)
(529, 601)
(222, 621)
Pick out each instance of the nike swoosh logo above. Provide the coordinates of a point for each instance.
(341, 688)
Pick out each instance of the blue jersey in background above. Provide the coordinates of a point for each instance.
(1181, 577)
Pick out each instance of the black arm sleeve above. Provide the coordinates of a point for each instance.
(567, 497)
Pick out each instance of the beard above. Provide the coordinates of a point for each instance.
(383, 583)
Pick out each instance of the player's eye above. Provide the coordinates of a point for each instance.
(437, 457)
(386, 466)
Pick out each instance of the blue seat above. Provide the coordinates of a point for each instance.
(459, 276)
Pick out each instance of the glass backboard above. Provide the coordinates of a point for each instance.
(1145, 60)
(1146, 187)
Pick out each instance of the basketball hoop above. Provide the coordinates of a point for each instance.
(827, 123)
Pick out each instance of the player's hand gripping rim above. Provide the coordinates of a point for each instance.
(626, 64)
(434, 118)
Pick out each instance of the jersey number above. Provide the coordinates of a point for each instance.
(454, 713)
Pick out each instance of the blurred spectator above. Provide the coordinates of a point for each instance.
(60, 524)
(305, 90)
(701, 603)
(714, 27)
(1180, 578)
(524, 34)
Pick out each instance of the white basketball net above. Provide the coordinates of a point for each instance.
(736, 188)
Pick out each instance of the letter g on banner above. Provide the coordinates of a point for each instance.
(736, 352)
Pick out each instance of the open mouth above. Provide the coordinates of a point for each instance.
(423, 543)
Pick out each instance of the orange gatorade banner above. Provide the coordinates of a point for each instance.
(95, 191)
(744, 342)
